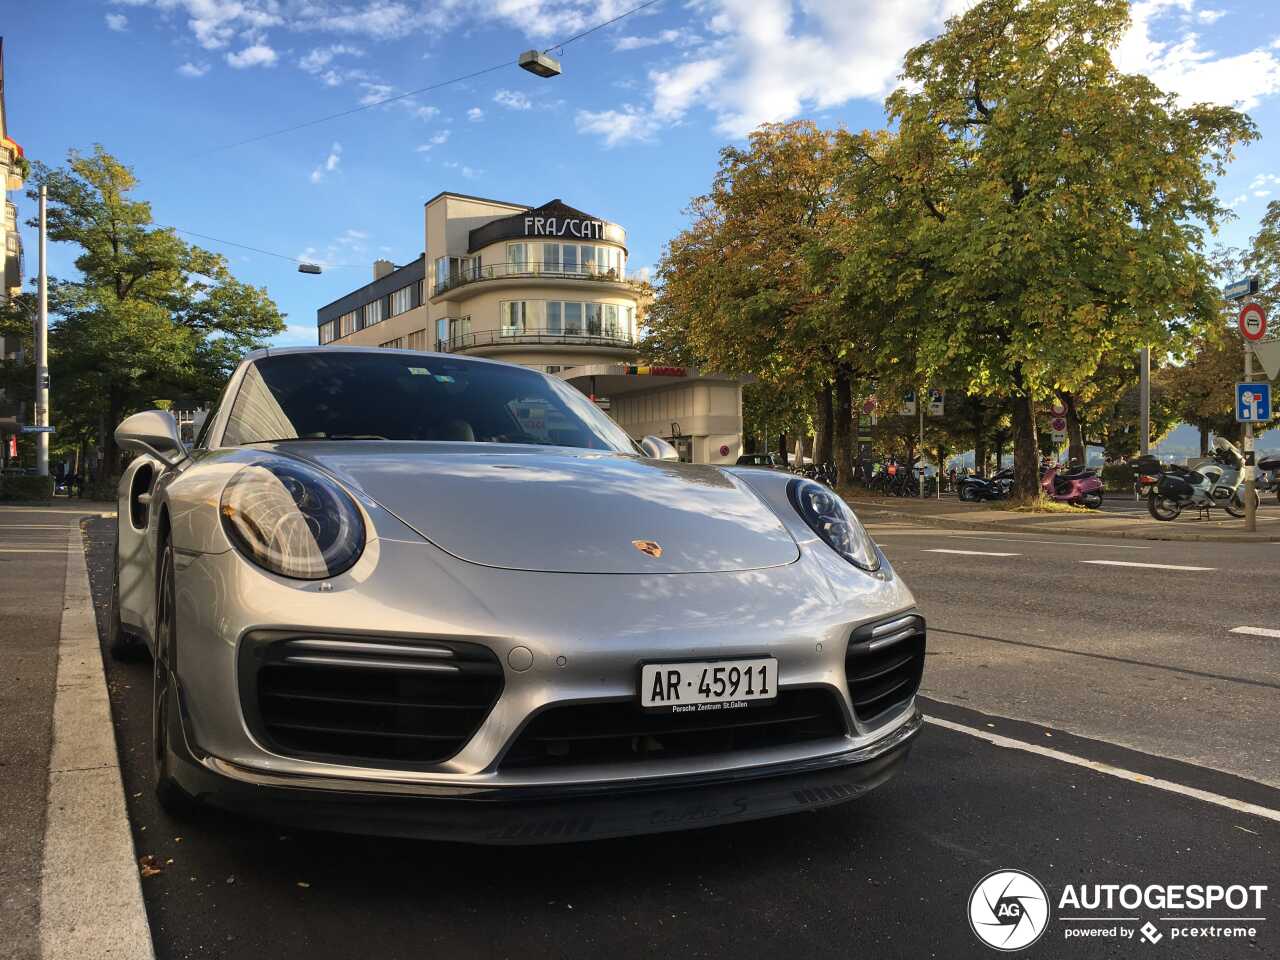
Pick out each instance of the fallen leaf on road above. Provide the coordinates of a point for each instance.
(147, 866)
(304, 884)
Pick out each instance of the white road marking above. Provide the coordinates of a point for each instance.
(972, 553)
(1167, 785)
(1065, 543)
(1257, 631)
(1151, 566)
(34, 550)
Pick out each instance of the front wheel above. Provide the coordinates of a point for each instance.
(1235, 506)
(1093, 500)
(172, 797)
(968, 494)
(1162, 508)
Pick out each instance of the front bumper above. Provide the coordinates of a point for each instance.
(551, 814)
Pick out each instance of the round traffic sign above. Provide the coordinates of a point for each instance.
(1059, 425)
(1253, 321)
(1059, 408)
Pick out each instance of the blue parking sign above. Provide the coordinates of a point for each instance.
(1253, 402)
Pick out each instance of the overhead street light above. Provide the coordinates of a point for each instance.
(539, 63)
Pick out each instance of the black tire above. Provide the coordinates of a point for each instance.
(124, 646)
(1235, 505)
(968, 494)
(1159, 508)
(1093, 500)
(173, 799)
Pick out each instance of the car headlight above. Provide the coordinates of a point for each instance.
(292, 520)
(832, 520)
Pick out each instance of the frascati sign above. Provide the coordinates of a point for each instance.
(564, 227)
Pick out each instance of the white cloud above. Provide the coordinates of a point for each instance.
(681, 38)
(117, 22)
(257, 55)
(471, 173)
(475, 114)
(617, 126)
(1184, 68)
(329, 165)
(439, 139)
(190, 69)
(1262, 193)
(512, 100)
(319, 58)
(1210, 16)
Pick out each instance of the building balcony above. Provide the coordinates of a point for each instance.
(485, 341)
(527, 271)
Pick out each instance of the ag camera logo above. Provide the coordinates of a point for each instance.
(1008, 910)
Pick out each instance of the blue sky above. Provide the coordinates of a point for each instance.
(630, 131)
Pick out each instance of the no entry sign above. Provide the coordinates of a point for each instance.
(1253, 321)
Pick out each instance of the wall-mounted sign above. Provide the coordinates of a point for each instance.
(658, 371)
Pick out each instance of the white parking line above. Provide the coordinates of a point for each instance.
(1064, 543)
(33, 550)
(1167, 785)
(972, 553)
(1257, 631)
(1151, 566)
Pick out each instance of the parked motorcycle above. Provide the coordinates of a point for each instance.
(1080, 487)
(1271, 465)
(1214, 484)
(995, 487)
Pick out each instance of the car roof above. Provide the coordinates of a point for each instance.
(285, 351)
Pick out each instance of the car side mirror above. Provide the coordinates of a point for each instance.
(154, 432)
(655, 448)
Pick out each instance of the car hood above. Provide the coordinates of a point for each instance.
(563, 510)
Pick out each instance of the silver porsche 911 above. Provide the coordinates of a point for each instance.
(424, 595)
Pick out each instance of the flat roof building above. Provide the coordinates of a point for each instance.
(545, 287)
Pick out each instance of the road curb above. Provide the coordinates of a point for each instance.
(90, 894)
(1077, 529)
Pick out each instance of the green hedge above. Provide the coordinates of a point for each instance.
(26, 488)
(1117, 478)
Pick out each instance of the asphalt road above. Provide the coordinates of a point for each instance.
(1039, 636)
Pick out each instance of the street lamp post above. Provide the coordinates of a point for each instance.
(42, 349)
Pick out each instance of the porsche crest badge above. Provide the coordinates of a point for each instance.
(649, 548)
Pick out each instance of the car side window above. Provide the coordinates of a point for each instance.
(208, 421)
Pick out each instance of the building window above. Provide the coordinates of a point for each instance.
(611, 319)
(553, 316)
(450, 270)
(518, 257)
(347, 324)
(328, 332)
(593, 318)
(396, 344)
(518, 316)
(373, 313)
(418, 340)
(573, 318)
(402, 300)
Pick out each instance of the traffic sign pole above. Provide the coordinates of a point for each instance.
(1250, 500)
(42, 349)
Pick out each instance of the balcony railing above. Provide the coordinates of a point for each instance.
(521, 269)
(618, 339)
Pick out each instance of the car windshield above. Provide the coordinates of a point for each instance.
(335, 395)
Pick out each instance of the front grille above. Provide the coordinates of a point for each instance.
(620, 732)
(883, 665)
(368, 699)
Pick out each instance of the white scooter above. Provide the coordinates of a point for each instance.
(1216, 483)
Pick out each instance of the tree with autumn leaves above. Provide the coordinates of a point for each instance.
(1034, 216)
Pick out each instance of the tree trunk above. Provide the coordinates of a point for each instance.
(979, 440)
(1075, 434)
(844, 426)
(1204, 440)
(823, 444)
(1026, 449)
(782, 448)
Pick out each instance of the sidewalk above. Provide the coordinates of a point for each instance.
(950, 512)
(64, 839)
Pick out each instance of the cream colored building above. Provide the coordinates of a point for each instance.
(545, 287)
(13, 167)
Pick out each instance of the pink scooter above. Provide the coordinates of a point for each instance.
(1081, 487)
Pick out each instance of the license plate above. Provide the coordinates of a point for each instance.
(702, 686)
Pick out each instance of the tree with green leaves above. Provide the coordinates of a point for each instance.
(1064, 202)
(148, 316)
